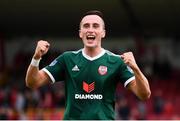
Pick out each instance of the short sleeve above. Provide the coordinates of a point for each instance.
(126, 74)
(56, 69)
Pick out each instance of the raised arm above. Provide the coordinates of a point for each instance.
(35, 77)
(139, 86)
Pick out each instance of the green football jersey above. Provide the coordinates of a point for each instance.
(90, 83)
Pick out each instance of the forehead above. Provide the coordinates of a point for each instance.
(92, 19)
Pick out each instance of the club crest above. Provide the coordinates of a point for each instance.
(102, 70)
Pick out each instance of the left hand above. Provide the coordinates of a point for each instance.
(129, 59)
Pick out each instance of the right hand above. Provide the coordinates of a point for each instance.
(41, 49)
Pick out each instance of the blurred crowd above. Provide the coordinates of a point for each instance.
(19, 102)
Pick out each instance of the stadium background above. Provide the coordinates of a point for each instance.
(149, 28)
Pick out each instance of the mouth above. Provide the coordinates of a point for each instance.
(90, 37)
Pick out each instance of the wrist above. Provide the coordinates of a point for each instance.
(35, 62)
(37, 57)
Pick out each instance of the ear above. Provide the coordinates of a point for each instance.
(103, 33)
(80, 34)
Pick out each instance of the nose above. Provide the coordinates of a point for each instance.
(90, 29)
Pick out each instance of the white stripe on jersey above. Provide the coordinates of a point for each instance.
(49, 74)
(75, 52)
(111, 53)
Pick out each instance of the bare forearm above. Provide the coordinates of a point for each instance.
(32, 76)
(142, 85)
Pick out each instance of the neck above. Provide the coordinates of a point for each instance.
(92, 52)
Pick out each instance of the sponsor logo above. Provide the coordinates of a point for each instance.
(75, 68)
(88, 87)
(88, 96)
(102, 70)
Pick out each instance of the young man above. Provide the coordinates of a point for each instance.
(91, 74)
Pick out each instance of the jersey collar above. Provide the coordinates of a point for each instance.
(93, 58)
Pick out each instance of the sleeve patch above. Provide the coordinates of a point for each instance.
(53, 63)
(130, 70)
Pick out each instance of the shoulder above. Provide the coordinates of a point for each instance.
(69, 54)
(72, 52)
(109, 53)
(113, 57)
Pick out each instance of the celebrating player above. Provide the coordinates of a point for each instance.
(91, 74)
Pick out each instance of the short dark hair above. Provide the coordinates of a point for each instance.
(94, 12)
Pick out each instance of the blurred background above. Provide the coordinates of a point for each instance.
(148, 28)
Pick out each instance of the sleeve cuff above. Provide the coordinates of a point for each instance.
(49, 74)
(128, 81)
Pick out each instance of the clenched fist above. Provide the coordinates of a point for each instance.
(129, 59)
(41, 49)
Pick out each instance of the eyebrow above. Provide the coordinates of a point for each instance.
(85, 24)
(96, 24)
(89, 23)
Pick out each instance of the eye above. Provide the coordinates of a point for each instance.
(86, 25)
(95, 25)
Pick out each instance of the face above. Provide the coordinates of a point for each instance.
(92, 31)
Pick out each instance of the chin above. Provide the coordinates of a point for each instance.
(91, 46)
